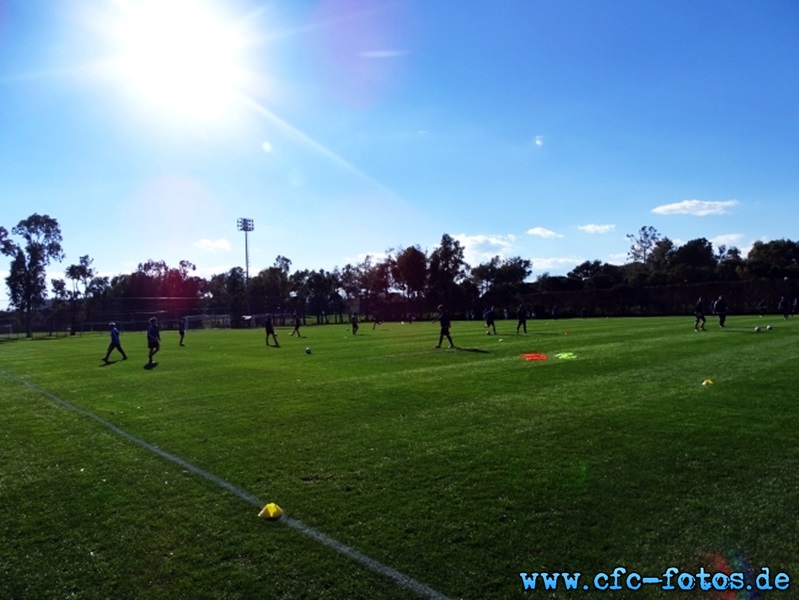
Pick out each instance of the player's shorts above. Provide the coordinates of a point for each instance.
(153, 344)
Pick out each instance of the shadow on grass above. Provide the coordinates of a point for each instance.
(477, 350)
(108, 362)
(150, 366)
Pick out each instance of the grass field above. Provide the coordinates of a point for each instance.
(459, 468)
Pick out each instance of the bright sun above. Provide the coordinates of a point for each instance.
(180, 55)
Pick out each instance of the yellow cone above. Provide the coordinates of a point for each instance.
(707, 382)
(271, 511)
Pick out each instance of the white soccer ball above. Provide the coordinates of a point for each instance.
(307, 351)
(757, 329)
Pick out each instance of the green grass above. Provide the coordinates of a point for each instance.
(459, 468)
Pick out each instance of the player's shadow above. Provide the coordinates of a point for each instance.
(108, 362)
(477, 350)
(150, 366)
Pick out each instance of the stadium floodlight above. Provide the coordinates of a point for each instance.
(246, 225)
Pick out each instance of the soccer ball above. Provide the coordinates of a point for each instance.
(757, 329)
(768, 327)
(307, 351)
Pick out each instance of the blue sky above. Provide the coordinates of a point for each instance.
(543, 129)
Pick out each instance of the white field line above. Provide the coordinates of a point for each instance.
(365, 561)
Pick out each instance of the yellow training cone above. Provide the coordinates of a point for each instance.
(271, 511)
(707, 382)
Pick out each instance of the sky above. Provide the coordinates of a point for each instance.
(544, 129)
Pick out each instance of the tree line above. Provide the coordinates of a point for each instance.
(660, 277)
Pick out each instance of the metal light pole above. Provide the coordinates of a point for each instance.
(246, 225)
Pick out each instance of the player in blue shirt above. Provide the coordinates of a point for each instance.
(115, 344)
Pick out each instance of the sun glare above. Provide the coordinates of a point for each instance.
(180, 55)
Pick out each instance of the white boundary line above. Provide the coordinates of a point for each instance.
(365, 561)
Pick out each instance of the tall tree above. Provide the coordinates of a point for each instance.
(283, 264)
(60, 297)
(81, 273)
(298, 291)
(409, 271)
(6, 244)
(447, 268)
(484, 275)
(351, 285)
(661, 255)
(774, 259)
(270, 288)
(322, 296)
(26, 281)
(642, 244)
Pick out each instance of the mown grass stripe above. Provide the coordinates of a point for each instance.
(373, 565)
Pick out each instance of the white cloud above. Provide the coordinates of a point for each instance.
(618, 258)
(698, 208)
(376, 257)
(481, 248)
(212, 245)
(555, 266)
(729, 239)
(544, 233)
(596, 228)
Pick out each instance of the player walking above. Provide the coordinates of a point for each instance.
(443, 319)
(153, 340)
(115, 344)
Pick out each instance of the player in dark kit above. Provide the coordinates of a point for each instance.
(443, 319)
(153, 340)
(296, 322)
(182, 329)
(720, 309)
(521, 316)
(699, 313)
(784, 307)
(114, 344)
(270, 330)
(488, 317)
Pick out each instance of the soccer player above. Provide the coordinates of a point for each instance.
(784, 307)
(296, 320)
(521, 316)
(182, 329)
(354, 323)
(443, 319)
(488, 317)
(270, 330)
(699, 313)
(153, 340)
(114, 344)
(720, 309)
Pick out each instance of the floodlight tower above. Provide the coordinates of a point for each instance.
(246, 225)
